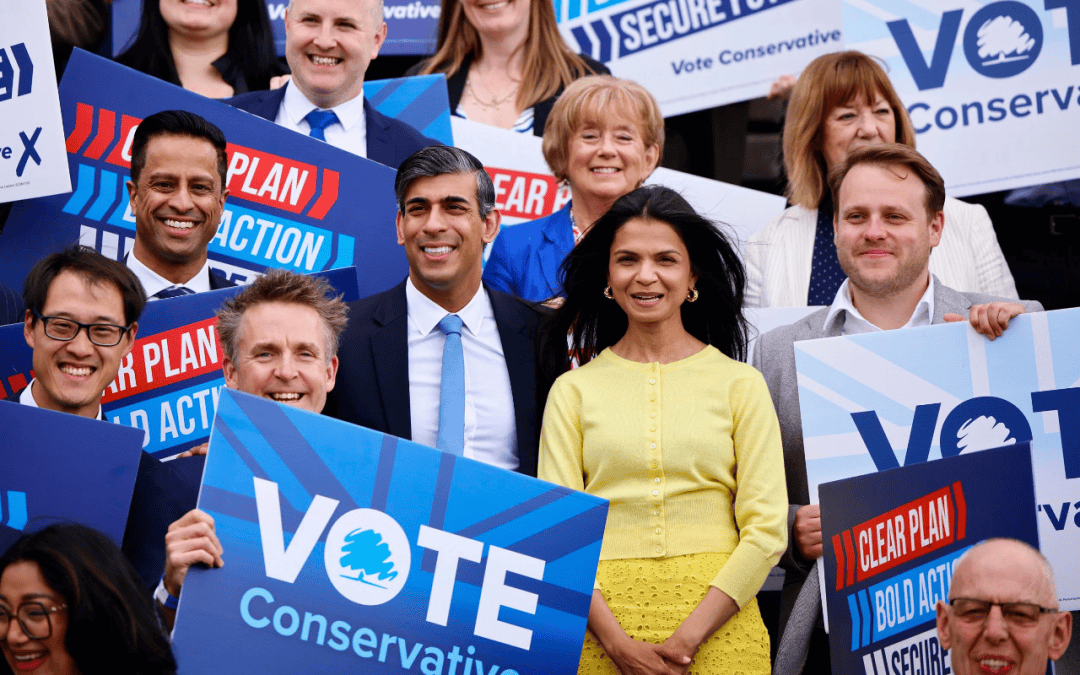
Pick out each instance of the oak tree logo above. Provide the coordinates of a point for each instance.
(367, 556)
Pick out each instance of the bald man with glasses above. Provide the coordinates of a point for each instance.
(1002, 615)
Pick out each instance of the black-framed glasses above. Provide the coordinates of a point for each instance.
(1020, 614)
(33, 618)
(65, 330)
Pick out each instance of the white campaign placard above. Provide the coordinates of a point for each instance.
(877, 401)
(33, 159)
(991, 87)
(526, 190)
(697, 54)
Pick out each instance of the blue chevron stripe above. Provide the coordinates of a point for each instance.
(16, 516)
(84, 190)
(106, 196)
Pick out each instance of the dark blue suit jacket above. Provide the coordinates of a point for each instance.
(217, 281)
(389, 141)
(525, 258)
(373, 377)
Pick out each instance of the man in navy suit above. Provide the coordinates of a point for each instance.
(177, 191)
(329, 44)
(81, 321)
(391, 370)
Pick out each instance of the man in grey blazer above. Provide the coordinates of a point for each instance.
(889, 215)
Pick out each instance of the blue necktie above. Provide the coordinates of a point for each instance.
(172, 292)
(452, 390)
(826, 275)
(318, 120)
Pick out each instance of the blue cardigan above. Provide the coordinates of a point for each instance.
(525, 258)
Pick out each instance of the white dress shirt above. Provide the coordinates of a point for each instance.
(348, 133)
(490, 428)
(855, 324)
(27, 398)
(153, 282)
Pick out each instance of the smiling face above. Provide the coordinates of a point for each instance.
(177, 205)
(649, 271)
(22, 582)
(608, 158)
(329, 44)
(281, 354)
(199, 18)
(1002, 571)
(71, 376)
(883, 232)
(856, 124)
(495, 19)
(444, 237)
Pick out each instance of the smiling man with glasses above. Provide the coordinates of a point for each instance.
(1002, 615)
(81, 321)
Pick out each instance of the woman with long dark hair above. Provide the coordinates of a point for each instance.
(71, 603)
(219, 48)
(678, 435)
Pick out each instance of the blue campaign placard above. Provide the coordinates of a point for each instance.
(421, 101)
(64, 468)
(891, 540)
(168, 385)
(347, 550)
(878, 401)
(294, 202)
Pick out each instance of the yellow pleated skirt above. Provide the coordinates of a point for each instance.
(650, 597)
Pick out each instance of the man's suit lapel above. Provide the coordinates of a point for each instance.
(379, 143)
(948, 301)
(269, 103)
(390, 352)
(518, 351)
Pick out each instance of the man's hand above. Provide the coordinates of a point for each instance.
(190, 540)
(808, 531)
(990, 319)
(781, 88)
(279, 81)
(197, 450)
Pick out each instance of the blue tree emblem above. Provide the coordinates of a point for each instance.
(365, 552)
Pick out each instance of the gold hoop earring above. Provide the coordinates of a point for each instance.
(608, 294)
(692, 295)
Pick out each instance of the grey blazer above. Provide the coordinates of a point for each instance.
(774, 356)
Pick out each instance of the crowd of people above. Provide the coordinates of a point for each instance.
(602, 348)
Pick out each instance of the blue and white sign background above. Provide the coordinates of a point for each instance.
(696, 54)
(32, 155)
(347, 550)
(945, 390)
(991, 86)
(62, 468)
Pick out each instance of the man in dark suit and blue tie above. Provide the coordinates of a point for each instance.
(177, 192)
(441, 359)
(329, 44)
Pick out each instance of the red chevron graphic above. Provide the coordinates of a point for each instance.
(84, 123)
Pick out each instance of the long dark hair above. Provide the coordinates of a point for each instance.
(251, 45)
(595, 323)
(112, 626)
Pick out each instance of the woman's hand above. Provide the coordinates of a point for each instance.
(714, 610)
(633, 657)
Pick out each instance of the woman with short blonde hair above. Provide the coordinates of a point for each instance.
(604, 137)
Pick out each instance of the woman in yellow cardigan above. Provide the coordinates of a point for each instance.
(676, 433)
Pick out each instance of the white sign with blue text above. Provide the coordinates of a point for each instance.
(33, 160)
(896, 398)
(697, 54)
(991, 87)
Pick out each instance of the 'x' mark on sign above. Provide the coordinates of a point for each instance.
(28, 151)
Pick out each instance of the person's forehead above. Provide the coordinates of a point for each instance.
(871, 181)
(172, 153)
(447, 185)
(336, 9)
(275, 321)
(71, 293)
(1002, 571)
